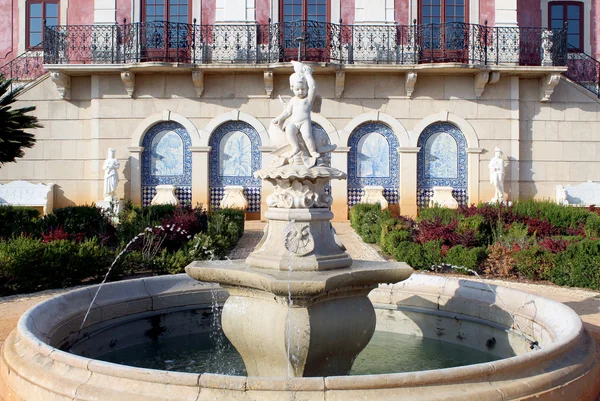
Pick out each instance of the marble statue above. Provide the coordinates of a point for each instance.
(111, 176)
(497, 175)
(295, 125)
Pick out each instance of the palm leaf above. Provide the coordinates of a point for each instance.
(13, 123)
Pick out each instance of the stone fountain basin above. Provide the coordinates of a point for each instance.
(565, 368)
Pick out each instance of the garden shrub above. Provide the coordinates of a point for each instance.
(88, 221)
(564, 217)
(436, 229)
(411, 253)
(134, 219)
(21, 265)
(500, 261)
(515, 233)
(366, 220)
(592, 226)
(393, 238)
(534, 262)
(17, 220)
(579, 265)
(463, 257)
(433, 253)
(358, 212)
(438, 213)
(477, 227)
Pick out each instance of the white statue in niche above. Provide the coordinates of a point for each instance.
(295, 122)
(111, 176)
(497, 175)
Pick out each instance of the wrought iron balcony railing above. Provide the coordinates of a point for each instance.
(323, 42)
(25, 68)
(584, 70)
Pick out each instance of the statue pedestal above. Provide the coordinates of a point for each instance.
(234, 198)
(110, 208)
(165, 195)
(442, 197)
(374, 194)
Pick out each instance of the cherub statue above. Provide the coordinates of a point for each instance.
(296, 123)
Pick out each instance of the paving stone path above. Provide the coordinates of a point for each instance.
(585, 302)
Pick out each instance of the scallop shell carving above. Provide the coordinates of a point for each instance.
(299, 241)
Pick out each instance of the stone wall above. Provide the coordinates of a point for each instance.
(545, 144)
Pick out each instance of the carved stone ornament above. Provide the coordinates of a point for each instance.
(62, 82)
(373, 195)
(547, 85)
(234, 198)
(299, 240)
(198, 79)
(128, 79)
(165, 195)
(410, 81)
(442, 197)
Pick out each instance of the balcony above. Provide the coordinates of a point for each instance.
(247, 44)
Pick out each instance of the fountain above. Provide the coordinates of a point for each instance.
(299, 275)
(299, 310)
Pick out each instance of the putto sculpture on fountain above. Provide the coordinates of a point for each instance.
(298, 306)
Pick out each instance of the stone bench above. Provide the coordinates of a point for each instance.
(23, 193)
(585, 194)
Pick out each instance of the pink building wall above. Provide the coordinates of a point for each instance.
(347, 11)
(401, 8)
(80, 12)
(487, 11)
(263, 11)
(529, 13)
(9, 30)
(124, 11)
(594, 26)
(209, 11)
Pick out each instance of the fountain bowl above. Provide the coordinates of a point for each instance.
(555, 357)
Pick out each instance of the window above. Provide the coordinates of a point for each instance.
(440, 11)
(167, 10)
(37, 12)
(570, 13)
(312, 10)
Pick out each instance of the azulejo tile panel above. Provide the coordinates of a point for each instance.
(233, 159)
(167, 158)
(373, 160)
(442, 161)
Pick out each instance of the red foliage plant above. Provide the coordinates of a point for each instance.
(58, 233)
(540, 227)
(554, 245)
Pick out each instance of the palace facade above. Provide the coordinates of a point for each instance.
(416, 94)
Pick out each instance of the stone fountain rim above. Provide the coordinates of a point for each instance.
(568, 328)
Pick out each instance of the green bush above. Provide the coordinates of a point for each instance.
(89, 221)
(366, 220)
(21, 265)
(390, 224)
(235, 216)
(134, 219)
(17, 220)
(534, 262)
(433, 253)
(463, 257)
(592, 226)
(28, 264)
(393, 238)
(579, 265)
(479, 226)
(411, 253)
(560, 216)
(431, 213)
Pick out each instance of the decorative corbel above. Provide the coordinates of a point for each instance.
(268, 77)
(198, 78)
(128, 79)
(481, 80)
(547, 85)
(62, 82)
(340, 81)
(409, 83)
(494, 77)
